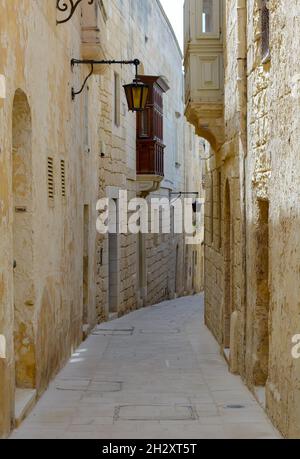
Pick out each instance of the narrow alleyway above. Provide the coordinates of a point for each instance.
(155, 373)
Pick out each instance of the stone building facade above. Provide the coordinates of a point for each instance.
(243, 97)
(150, 267)
(195, 171)
(58, 156)
(46, 180)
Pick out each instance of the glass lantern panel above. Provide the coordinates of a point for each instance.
(136, 93)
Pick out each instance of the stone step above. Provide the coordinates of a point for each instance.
(226, 353)
(24, 402)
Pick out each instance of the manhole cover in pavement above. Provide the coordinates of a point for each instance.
(113, 332)
(155, 413)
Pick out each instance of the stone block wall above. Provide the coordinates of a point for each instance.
(224, 256)
(273, 139)
(259, 208)
(43, 191)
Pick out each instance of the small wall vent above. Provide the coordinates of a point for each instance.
(50, 178)
(63, 177)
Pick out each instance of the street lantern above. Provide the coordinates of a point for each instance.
(136, 95)
(136, 92)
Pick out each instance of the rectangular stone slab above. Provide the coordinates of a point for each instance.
(111, 332)
(155, 413)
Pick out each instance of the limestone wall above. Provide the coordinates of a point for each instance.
(224, 275)
(273, 125)
(259, 202)
(41, 212)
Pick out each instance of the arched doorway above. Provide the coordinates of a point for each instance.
(228, 268)
(24, 290)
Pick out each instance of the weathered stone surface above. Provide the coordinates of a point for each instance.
(173, 386)
(254, 272)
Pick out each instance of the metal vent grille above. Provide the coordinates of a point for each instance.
(63, 178)
(265, 32)
(50, 176)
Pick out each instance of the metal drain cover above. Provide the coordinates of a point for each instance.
(155, 413)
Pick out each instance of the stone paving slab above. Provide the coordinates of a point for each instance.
(155, 373)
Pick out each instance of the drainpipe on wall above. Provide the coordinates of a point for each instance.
(242, 108)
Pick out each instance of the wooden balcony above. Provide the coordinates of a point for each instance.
(150, 130)
(150, 159)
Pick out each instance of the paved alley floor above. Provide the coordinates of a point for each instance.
(155, 373)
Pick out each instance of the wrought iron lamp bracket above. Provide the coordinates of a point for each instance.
(69, 7)
(74, 62)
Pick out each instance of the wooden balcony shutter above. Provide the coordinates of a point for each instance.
(265, 19)
(150, 146)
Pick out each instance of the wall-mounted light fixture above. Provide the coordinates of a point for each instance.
(69, 7)
(136, 92)
(179, 195)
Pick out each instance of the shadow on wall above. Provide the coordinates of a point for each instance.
(58, 333)
(265, 352)
(48, 346)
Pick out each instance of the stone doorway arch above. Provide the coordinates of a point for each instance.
(22, 228)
